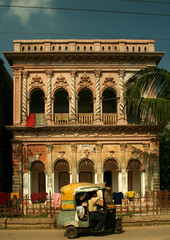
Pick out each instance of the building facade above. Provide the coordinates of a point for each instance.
(69, 119)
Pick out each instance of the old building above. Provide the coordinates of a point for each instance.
(6, 86)
(69, 118)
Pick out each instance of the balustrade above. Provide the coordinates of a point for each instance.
(85, 118)
(110, 118)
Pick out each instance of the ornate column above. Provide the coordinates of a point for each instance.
(74, 163)
(48, 113)
(154, 163)
(24, 98)
(49, 183)
(99, 163)
(124, 183)
(146, 155)
(122, 114)
(73, 96)
(17, 167)
(98, 107)
(143, 182)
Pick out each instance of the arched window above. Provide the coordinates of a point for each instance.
(86, 171)
(134, 175)
(29, 48)
(115, 49)
(41, 48)
(103, 49)
(66, 48)
(59, 48)
(133, 49)
(111, 174)
(38, 177)
(84, 48)
(139, 49)
(85, 103)
(109, 48)
(35, 48)
(53, 48)
(91, 48)
(127, 49)
(61, 174)
(37, 101)
(78, 48)
(61, 106)
(23, 48)
(109, 101)
(145, 49)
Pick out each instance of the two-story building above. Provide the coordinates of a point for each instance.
(69, 118)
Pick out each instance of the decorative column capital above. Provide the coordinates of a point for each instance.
(73, 148)
(123, 147)
(97, 73)
(49, 73)
(73, 73)
(49, 147)
(146, 147)
(121, 72)
(99, 147)
(25, 73)
(16, 71)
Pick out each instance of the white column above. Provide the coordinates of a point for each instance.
(70, 177)
(25, 183)
(143, 183)
(95, 178)
(119, 182)
(98, 108)
(73, 96)
(48, 113)
(124, 187)
(24, 97)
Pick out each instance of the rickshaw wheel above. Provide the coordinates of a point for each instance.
(71, 232)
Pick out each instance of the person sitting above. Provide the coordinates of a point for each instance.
(100, 217)
(80, 212)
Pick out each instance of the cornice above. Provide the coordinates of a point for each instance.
(81, 57)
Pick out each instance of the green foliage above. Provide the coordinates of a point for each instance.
(165, 159)
(147, 95)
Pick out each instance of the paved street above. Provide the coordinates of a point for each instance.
(131, 233)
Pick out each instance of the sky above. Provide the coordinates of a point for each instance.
(127, 19)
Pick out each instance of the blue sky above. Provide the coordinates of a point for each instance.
(88, 25)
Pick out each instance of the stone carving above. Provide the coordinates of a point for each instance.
(85, 81)
(110, 165)
(62, 166)
(109, 81)
(86, 150)
(134, 165)
(36, 81)
(86, 165)
(123, 147)
(61, 81)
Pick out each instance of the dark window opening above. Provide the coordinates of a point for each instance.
(37, 102)
(85, 103)
(109, 101)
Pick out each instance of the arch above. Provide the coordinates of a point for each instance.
(38, 177)
(85, 102)
(61, 103)
(110, 176)
(61, 173)
(61, 165)
(37, 101)
(86, 170)
(111, 164)
(134, 175)
(109, 102)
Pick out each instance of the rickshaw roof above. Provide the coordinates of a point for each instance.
(81, 187)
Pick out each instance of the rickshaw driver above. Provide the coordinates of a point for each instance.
(95, 214)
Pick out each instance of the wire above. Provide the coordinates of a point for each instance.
(84, 35)
(87, 10)
(146, 1)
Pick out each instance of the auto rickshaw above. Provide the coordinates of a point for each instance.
(76, 194)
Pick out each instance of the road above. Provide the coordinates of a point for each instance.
(130, 233)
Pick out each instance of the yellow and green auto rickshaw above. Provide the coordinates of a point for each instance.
(78, 194)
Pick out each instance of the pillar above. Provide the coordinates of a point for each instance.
(146, 148)
(16, 159)
(154, 161)
(98, 106)
(24, 98)
(48, 112)
(124, 183)
(73, 96)
(143, 182)
(122, 114)
(74, 163)
(49, 183)
(99, 168)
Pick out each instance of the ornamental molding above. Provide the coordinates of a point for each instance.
(109, 81)
(85, 81)
(97, 73)
(61, 81)
(36, 81)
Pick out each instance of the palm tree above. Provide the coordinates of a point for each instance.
(147, 95)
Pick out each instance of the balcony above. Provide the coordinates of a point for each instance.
(85, 118)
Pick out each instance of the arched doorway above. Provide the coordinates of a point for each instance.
(61, 106)
(86, 171)
(61, 174)
(109, 106)
(134, 175)
(111, 174)
(38, 177)
(85, 106)
(37, 101)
